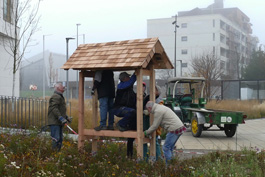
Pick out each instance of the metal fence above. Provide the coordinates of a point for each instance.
(243, 89)
(23, 112)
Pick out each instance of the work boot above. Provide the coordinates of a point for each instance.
(110, 127)
(122, 129)
(98, 128)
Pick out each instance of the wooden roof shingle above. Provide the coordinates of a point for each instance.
(119, 55)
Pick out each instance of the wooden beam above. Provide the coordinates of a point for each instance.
(111, 133)
(81, 111)
(146, 72)
(89, 73)
(94, 117)
(152, 98)
(140, 134)
(93, 134)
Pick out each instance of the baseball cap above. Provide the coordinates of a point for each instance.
(123, 75)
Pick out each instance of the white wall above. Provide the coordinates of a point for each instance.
(6, 61)
(6, 76)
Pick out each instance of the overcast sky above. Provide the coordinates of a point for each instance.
(114, 20)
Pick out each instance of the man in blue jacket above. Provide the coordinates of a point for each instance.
(125, 102)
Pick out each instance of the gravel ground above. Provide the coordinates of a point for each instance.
(188, 154)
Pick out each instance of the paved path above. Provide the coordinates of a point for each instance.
(249, 135)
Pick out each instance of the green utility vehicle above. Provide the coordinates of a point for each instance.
(181, 98)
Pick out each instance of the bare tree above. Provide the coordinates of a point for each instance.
(52, 71)
(21, 23)
(211, 68)
(164, 74)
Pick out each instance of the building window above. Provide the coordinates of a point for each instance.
(223, 52)
(7, 10)
(184, 25)
(222, 25)
(184, 65)
(213, 23)
(184, 51)
(213, 50)
(184, 38)
(213, 36)
(222, 65)
(222, 38)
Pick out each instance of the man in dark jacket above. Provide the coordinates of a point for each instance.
(125, 102)
(104, 83)
(125, 106)
(57, 116)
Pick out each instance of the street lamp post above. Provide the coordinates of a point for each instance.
(78, 24)
(180, 67)
(176, 26)
(67, 83)
(43, 69)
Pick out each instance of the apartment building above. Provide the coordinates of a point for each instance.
(223, 32)
(6, 60)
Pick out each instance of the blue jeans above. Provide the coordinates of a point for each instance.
(57, 136)
(105, 106)
(129, 117)
(169, 144)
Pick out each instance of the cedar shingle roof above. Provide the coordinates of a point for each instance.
(119, 55)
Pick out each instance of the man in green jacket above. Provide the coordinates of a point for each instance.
(57, 116)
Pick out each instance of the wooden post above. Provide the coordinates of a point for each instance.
(152, 98)
(139, 114)
(94, 118)
(81, 111)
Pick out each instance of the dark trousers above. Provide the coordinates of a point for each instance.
(57, 137)
(130, 147)
(131, 140)
(128, 121)
(128, 116)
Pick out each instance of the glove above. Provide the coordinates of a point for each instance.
(62, 120)
(146, 112)
(147, 136)
(69, 119)
(92, 92)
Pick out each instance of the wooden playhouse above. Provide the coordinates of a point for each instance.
(140, 55)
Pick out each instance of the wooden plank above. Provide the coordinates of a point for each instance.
(111, 133)
(89, 73)
(152, 98)
(81, 111)
(158, 47)
(93, 134)
(140, 134)
(146, 72)
(167, 62)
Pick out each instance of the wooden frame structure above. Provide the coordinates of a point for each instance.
(141, 55)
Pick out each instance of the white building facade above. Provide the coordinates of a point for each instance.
(224, 32)
(6, 59)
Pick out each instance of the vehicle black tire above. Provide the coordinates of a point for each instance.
(230, 129)
(196, 129)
